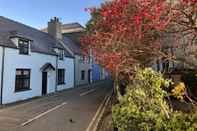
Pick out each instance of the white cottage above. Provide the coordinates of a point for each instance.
(32, 63)
(71, 34)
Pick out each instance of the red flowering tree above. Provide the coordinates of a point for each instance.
(126, 33)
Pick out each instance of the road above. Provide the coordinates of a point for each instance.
(70, 110)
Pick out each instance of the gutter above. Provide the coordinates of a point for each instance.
(2, 74)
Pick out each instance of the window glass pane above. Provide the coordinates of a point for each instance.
(26, 42)
(26, 72)
(23, 47)
(18, 72)
(22, 79)
(61, 76)
(20, 42)
(26, 83)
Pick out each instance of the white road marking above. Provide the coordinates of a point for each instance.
(42, 114)
(88, 92)
(100, 110)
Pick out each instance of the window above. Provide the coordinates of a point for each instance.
(23, 47)
(61, 54)
(89, 59)
(61, 76)
(22, 80)
(82, 75)
(81, 59)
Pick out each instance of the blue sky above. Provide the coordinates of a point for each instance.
(37, 13)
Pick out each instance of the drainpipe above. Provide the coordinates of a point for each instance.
(2, 74)
(56, 74)
(74, 71)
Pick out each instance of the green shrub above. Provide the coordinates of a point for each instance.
(144, 108)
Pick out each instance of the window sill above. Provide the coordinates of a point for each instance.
(22, 90)
(61, 59)
(59, 84)
(25, 54)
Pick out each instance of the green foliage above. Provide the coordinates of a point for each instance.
(190, 78)
(144, 106)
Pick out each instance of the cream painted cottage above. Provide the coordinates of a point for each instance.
(32, 63)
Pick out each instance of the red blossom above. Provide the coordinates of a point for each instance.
(126, 33)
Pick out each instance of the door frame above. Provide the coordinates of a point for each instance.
(89, 76)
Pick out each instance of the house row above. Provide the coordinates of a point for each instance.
(38, 62)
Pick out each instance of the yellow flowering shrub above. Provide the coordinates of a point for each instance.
(179, 91)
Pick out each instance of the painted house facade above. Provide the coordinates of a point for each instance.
(32, 63)
(83, 64)
(99, 73)
(93, 71)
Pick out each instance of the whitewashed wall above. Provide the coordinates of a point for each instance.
(1, 56)
(33, 61)
(68, 65)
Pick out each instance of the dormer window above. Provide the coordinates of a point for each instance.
(23, 46)
(61, 54)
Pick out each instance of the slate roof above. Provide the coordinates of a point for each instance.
(41, 42)
(73, 31)
(74, 47)
(71, 36)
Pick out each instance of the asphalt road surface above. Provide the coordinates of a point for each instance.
(70, 110)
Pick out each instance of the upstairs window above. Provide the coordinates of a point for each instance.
(23, 46)
(61, 54)
(81, 59)
(89, 59)
(61, 76)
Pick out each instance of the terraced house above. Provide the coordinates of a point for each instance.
(84, 65)
(93, 71)
(33, 63)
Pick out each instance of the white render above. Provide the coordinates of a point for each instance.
(68, 65)
(33, 61)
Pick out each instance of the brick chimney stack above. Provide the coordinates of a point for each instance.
(54, 28)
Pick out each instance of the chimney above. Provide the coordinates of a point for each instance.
(54, 28)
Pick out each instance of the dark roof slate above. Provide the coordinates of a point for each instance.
(74, 47)
(71, 36)
(42, 42)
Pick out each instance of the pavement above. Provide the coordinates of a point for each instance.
(70, 110)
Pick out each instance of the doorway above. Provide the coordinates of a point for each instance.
(44, 83)
(89, 76)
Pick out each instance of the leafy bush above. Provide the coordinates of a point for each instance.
(190, 79)
(144, 108)
(179, 91)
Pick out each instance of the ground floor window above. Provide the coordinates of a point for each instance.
(22, 80)
(61, 76)
(82, 75)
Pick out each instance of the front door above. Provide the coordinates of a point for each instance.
(44, 83)
(89, 76)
